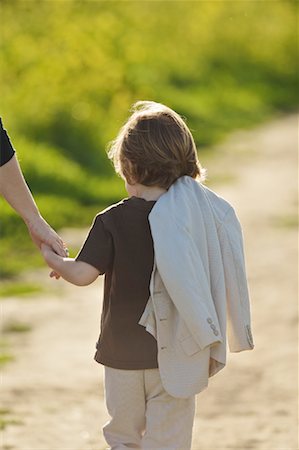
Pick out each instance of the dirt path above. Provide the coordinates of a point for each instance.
(54, 388)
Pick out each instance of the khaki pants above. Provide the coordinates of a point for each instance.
(143, 414)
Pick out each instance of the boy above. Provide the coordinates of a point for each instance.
(152, 150)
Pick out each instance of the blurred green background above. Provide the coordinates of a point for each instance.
(71, 70)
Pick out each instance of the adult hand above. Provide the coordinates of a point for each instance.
(16, 192)
(41, 232)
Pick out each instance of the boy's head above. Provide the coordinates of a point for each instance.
(155, 147)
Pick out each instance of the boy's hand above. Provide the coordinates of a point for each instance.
(54, 274)
(77, 272)
(48, 253)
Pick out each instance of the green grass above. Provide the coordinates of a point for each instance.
(71, 72)
(16, 327)
(13, 327)
(5, 355)
(285, 221)
(19, 289)
(6, 419)
(5, 358)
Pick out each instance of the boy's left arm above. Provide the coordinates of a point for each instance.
(76, 272)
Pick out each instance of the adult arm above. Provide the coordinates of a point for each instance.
(16, 192)
(14, 189)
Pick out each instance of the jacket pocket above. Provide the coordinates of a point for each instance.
(189, 345)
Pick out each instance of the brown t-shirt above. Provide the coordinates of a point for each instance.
(119, 245)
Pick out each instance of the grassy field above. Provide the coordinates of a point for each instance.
(72, 69)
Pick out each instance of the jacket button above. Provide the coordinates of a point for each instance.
(213, 326)
(162, 348)
(215, 332)
(209, 320)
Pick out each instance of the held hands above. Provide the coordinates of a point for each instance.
(49, 256)
(76, 272)
(47, 240)
(41, 233)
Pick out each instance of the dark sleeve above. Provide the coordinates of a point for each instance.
(6, 149)
(97, 249)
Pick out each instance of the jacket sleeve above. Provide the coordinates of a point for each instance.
(182, 270)
(237, 295)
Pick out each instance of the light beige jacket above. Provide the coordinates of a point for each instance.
(198, 286)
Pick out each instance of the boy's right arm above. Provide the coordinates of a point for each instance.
(76, 272)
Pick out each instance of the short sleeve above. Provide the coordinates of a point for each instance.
(6, 149)
(97, 249)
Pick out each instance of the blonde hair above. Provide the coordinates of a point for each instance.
(155, 147)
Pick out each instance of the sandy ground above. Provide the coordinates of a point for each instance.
(54, 389)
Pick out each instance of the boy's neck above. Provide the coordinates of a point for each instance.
(149, 193)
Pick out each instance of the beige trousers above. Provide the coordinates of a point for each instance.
(143, 414)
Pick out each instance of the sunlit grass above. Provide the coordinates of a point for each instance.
(5, 354)
(19, 289)
(5, 358)
(67, 95)
(16, 327)
(6, 419)
(285, 221)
